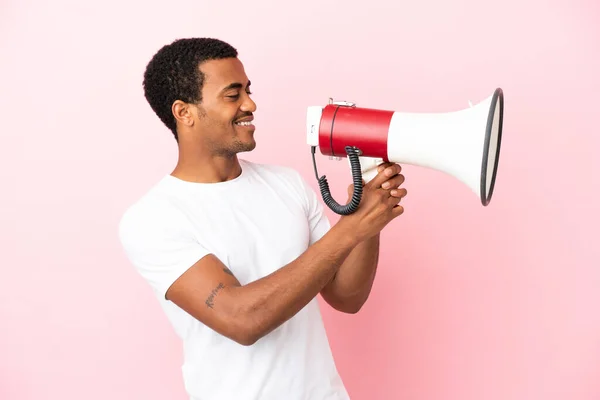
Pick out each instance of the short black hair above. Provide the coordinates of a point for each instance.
(173, 74)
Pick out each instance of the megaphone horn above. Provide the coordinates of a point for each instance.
(464, 144)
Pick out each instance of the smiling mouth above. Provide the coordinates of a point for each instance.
(244, 123)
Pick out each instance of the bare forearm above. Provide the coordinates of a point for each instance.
(268, 302)
(352, 283)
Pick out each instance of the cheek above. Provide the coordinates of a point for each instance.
(220, 115)
(216, 120)
(224, 116)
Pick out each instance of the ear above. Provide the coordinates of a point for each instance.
(183, 113)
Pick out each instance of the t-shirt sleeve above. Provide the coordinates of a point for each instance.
(317, 218)
(159, 244)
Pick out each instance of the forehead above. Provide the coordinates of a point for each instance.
(222, 73)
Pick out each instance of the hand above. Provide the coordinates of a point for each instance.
(394, 180)
(379, 202)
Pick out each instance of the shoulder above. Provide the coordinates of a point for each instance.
(154, 213)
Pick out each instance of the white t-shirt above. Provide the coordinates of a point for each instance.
(256, 223)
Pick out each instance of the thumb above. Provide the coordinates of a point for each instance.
(351, 188)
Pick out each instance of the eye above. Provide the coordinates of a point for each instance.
(237, 96)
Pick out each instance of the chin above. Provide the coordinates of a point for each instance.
(245, 146)
(250, 146)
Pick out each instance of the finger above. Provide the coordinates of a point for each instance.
(393, 200)
(382, 166)
(397, 210)
(394, 203)
(398, 192)
(385, 174)
(395, 182)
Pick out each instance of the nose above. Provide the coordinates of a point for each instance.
(248, 105)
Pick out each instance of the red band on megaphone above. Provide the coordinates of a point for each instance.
(364, 128)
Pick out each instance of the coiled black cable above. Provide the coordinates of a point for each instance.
(352, 206)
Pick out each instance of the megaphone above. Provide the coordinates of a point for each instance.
(464, 144)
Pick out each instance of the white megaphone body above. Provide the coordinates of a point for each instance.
(464, 144)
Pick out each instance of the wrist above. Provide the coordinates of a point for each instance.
(347, 233)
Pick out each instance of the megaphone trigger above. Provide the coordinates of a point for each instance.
(368, 167)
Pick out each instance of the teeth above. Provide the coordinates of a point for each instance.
(243, 123)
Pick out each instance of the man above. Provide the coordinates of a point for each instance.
(237, 251)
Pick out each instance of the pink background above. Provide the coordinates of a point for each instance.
(470, 303)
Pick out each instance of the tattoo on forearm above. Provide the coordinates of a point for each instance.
(210, 301)
(228, 271)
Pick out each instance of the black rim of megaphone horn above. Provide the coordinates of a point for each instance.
(497, 97)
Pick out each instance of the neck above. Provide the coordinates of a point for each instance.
(194, 165)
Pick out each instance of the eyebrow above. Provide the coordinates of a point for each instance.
(235, 85)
